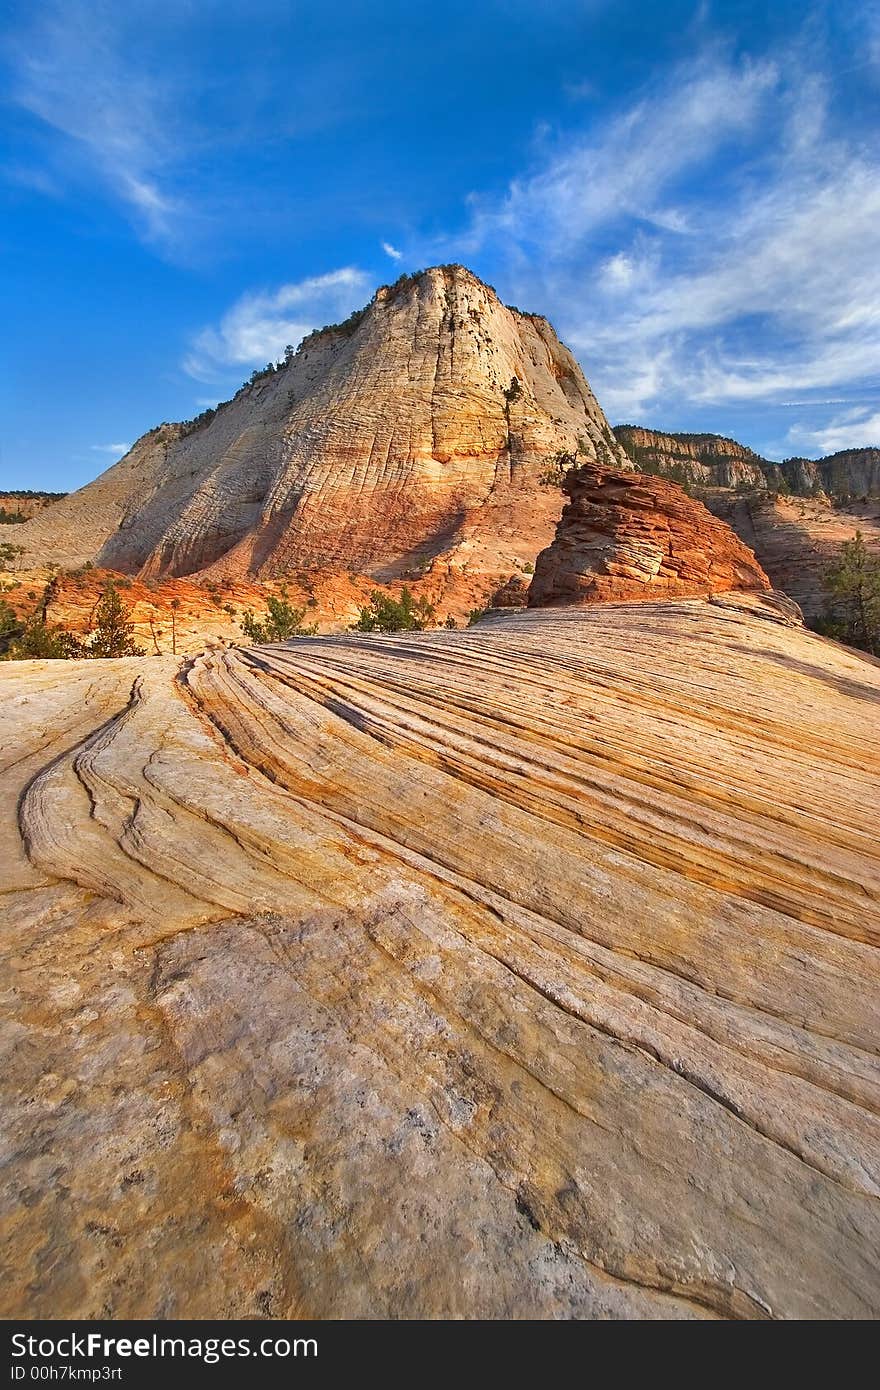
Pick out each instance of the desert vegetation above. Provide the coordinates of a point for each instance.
(386, 614)
(852, 613)
(281, 621)
(111, 633)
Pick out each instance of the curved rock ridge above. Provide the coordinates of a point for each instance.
(626, 536)
(527, 971)
(391, 438)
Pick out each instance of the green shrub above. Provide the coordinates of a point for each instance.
(853, 584)
(556, 468)
(10, 555)
(38, 642)
(282, 621)
(112, 634)
(386, 614)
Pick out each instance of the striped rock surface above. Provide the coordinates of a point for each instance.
(527, 971)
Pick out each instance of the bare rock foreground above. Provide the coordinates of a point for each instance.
(524, 971)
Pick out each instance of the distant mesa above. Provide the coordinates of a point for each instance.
(713, 460)
(19, 505)
(629, 536)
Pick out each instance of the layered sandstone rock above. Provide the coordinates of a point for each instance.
(25, 505)
(528, 971)
(714, 461)
(625, 536)
(417, 429)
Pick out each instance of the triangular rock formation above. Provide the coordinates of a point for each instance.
(405, 432)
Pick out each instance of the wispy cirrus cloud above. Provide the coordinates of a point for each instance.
(116, 449)
(260, 324)
(80, 69)
(714, 243)
(392, 251)
(852, 429)
(628, 166)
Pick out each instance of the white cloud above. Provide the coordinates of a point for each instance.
(258, 327)
(69, 68)
(117, 449)
(854, 429)
(628, 166)
(716, 241)
(392, 251)
(617, 271)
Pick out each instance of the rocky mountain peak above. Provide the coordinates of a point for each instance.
(409, 431)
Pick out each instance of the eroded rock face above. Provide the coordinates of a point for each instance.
(851, 473)
(715, 461)
(25, 504)
(712, 460)
(522, 971)
(796, 539)
(625, 536)
(418, 429)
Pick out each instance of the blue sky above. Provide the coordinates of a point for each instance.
(690, 192)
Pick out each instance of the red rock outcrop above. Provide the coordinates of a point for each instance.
(632, 536)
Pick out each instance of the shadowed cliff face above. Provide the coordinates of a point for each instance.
(395, 436)
(523, 971)
(633, 536)
(797, 538)
(852, 473)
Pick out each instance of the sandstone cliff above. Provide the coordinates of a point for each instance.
(419, 428)
(795, 539)
(528, 971)
(708, 459)
(25, 505)
(852, 473)
(625, 536)
(712, 460)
